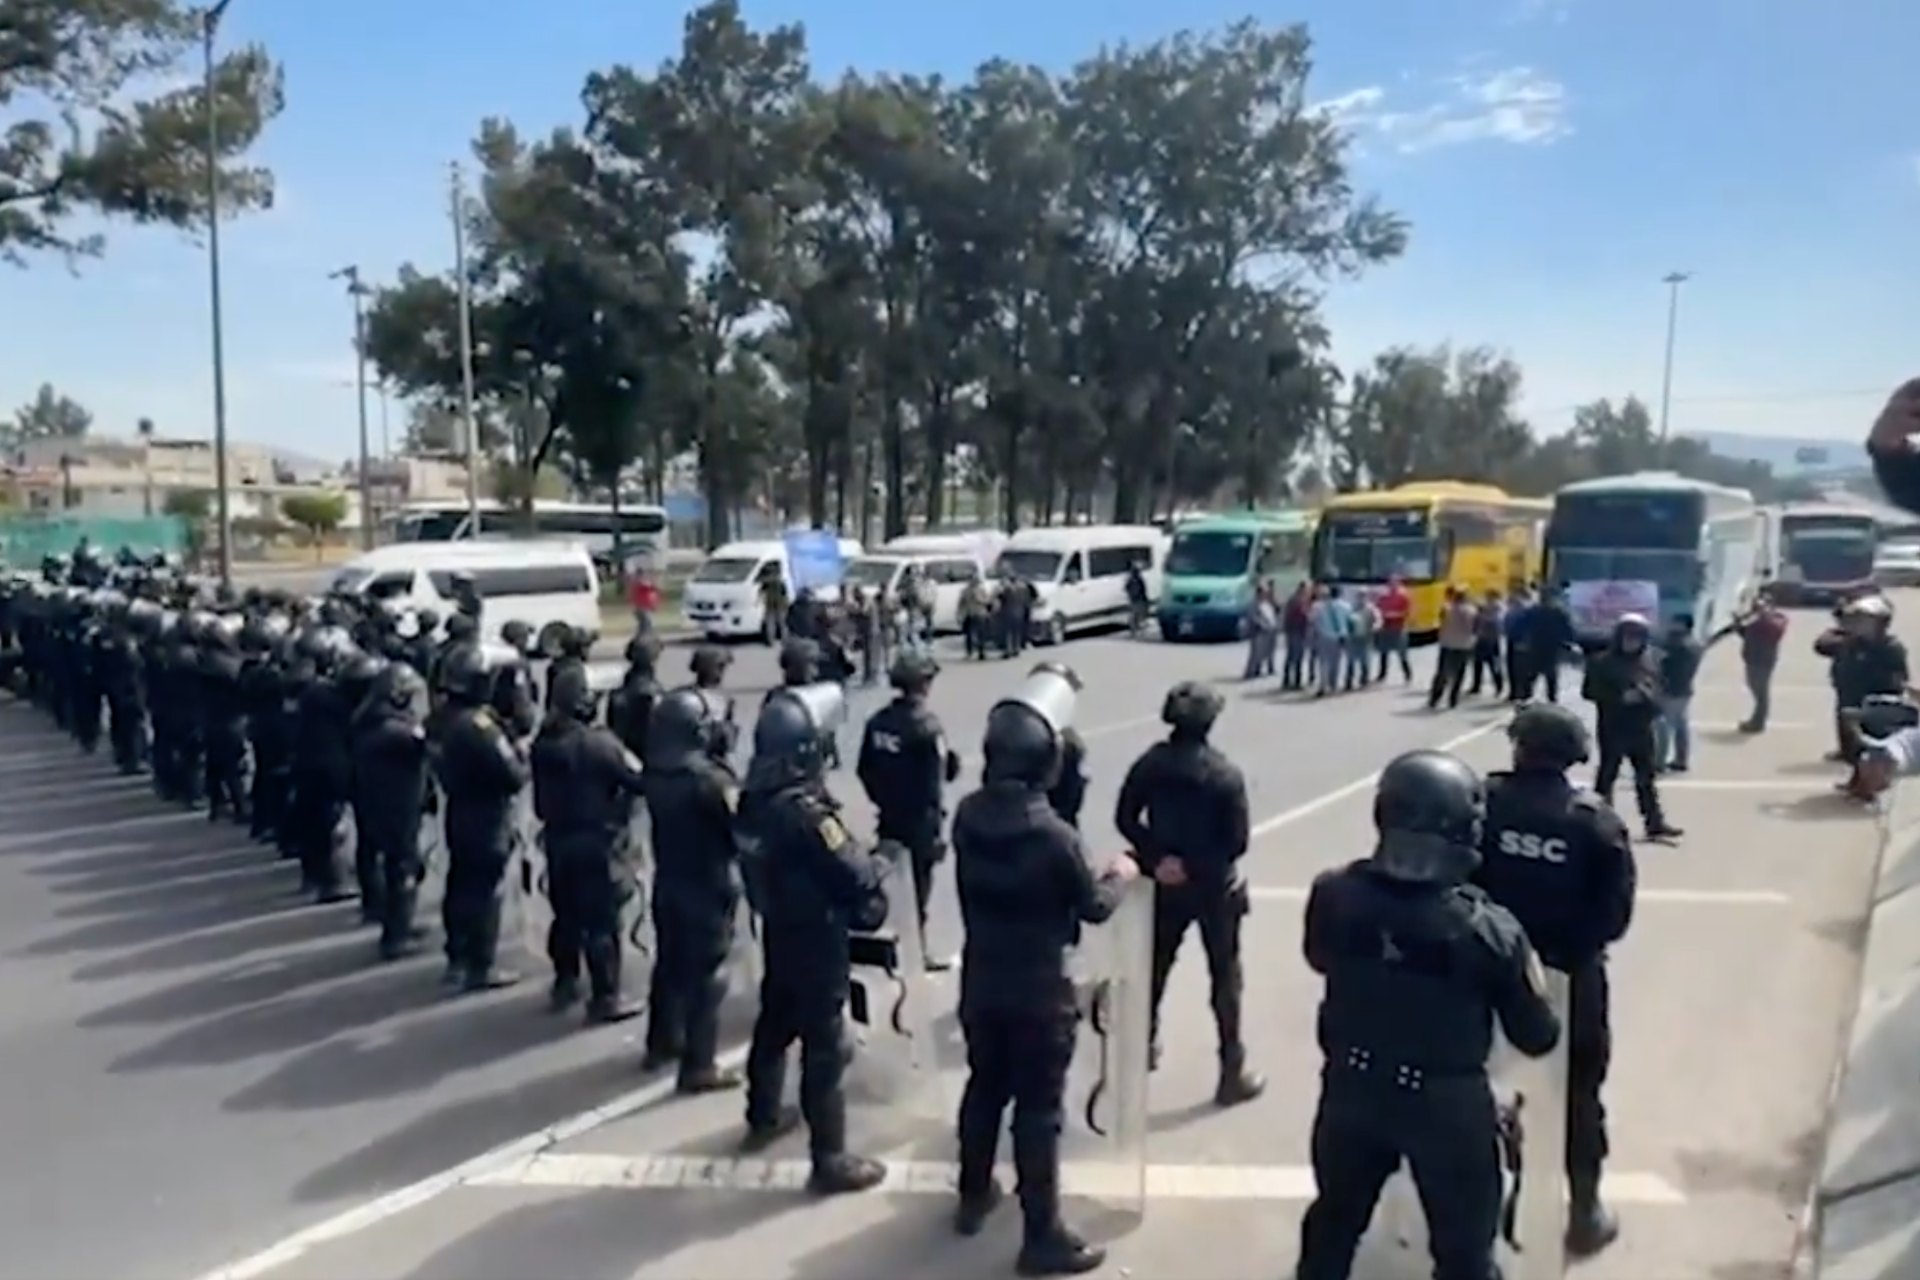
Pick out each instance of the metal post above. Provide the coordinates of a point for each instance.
(466, 351)
(1673, 281)
(209, 27)
(358, 292)
(386, 437)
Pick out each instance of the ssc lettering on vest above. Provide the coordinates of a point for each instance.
(884, 741)
(1533, 847)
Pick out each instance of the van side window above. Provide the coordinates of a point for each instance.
(390, 585)
(1113, 562)
(768, 572)
(530, 580)
(1073, 571)
(958, 572)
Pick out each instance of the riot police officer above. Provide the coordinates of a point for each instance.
(1183, 809)
(512, 700)
(584, 783)
(1561, 861)
(1418, 965)
(224, 713)
(1025, 890)
(630, 707)
(576, 646)
(322, 765)
(709, 668)
(691, 796)
(812, 883)
(389, 794)
(1068, 794)
(904, 765)
(480, 770)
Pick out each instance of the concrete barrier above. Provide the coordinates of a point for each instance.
(1865, 1223)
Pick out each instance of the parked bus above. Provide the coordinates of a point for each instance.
(1216, 561)
(1431, 535)
(643, 529)
(1655, 541)
(1826, 552)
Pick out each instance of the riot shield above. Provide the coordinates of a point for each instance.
(636, 911)
(1532, 1097)
(527, 884)
(1104, 1146)
(746, 964)
(892, 1005)
(432, 851)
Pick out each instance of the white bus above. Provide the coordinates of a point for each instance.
(1826, 552)
(1701, 545)
(1080, 573)
(550, 586)
(643, 529)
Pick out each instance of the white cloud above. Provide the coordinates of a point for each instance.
(1516, 105)
(1555, 11)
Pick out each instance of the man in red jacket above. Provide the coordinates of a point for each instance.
(1395, 608)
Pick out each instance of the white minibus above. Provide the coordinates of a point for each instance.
(1080, 573)
(549, 586)
(725, 597)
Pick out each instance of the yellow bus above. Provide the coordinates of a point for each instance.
(1431, 535)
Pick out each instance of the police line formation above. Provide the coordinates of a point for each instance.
(328, 725)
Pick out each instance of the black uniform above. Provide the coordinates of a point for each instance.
(691, 798)
(389, 796)
(480, 769)
(119, 666)
(1025, 890)
(1559, 859)
(1418, 965)
(224, 715)
(1068, 792)
(813, 884)
(584, 783)
(630, 707)
(1623, 684)
(322, 770)
(904, 766)
(1183, 810)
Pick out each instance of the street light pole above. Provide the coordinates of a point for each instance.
(209, 28)
(466, 350)
(1673, 280)
(358, 292)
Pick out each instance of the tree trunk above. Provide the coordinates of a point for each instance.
(893, 438)
(939, 427)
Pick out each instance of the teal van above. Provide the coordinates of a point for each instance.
(1215, 561)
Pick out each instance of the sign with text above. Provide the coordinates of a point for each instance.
(814, 558)
(1597, 606)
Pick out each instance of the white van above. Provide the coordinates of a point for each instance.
(1080, 572)
(944, 562)
(549, 586)
(724, 596)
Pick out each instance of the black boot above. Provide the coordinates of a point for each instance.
(1591, 1226)
(602, 959)
(842, 1174)
(1058, 1252)
(563, 994)
(974, 1210)
(1237, 1084)
(761, 1136)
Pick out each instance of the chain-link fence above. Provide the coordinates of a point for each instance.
(26, 540)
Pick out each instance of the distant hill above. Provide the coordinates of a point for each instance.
(1784, 453)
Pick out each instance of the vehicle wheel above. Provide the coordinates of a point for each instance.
(551, 637)
(1056, 630)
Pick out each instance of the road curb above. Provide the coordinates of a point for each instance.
(1865, 1220)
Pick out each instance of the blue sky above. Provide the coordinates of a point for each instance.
(1556, 158)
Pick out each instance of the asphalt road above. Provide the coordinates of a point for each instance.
(206, 1077)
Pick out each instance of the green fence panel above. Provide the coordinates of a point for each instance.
(27, 540)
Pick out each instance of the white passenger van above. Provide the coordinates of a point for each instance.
(547, 585)
(945, 562)
(1081, 573)
(724, 596)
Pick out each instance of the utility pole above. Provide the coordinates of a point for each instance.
(358, 292)
(1673, 280)
(209, 28)
(466, 349)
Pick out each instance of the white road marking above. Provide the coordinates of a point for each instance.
(1668, 783)
(919, 1177)
(397, 1202)
(1359, 785)
(1646, 897)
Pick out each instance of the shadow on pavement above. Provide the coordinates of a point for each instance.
(260, 933)
(247, 982)
(199, 870)
(121, 932)
(1783, 1178)
(1821, 806)
(919, 1241)
(602, 1235)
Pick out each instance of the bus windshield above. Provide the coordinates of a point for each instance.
(1372, 546)
(1830, 546)
(1214, 553)
(1676, 573)
(1649, 521)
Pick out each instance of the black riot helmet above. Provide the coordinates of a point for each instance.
(678, 731)
(1428, 808)
(403, 687)
(799, 662)
(793, 738)
(1191, 708)
(465, 676)
(1546, 735)
(643, 652)
(461, 629)
(518, 636)
(576, 643)
(1025, 739)
(709, 664)
(913, 671)
(572, 695)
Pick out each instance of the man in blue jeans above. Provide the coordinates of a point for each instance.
(1679, 664)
